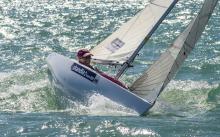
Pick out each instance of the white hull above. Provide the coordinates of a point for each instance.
(77, 81)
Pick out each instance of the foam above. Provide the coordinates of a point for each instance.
(185, 98)
(7, 34)
(135, 131)
(189, 85)
(100, 105)
(19, 89)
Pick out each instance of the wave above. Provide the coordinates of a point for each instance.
(214, 96)
(32, 92)
(187, 98)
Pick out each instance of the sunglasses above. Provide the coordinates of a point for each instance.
(88, 57)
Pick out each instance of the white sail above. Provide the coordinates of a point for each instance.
(122, 44)
(155, 79)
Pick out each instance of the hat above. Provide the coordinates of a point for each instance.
(84, 53)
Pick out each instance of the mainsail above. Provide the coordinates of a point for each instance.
(124, 43)
(155, 79)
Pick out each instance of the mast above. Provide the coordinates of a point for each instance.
(127, 64)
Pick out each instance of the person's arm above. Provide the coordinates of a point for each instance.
(111, 78)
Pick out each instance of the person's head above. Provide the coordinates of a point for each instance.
(84, 56)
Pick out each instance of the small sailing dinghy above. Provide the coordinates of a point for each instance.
(77, 81)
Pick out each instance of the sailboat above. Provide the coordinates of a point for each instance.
(77, 81)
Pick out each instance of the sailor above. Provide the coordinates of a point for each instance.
(84, 57)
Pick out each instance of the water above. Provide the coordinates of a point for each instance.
(30, 30)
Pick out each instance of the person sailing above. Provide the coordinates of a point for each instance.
(84, 57)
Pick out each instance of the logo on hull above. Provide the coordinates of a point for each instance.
(84, 72)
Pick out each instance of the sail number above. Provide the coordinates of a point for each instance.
(115, 45)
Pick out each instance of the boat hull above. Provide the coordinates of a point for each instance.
(77, 81)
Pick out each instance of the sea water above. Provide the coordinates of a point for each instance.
(32, 29)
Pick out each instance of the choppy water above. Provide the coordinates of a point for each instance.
(32, 29)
